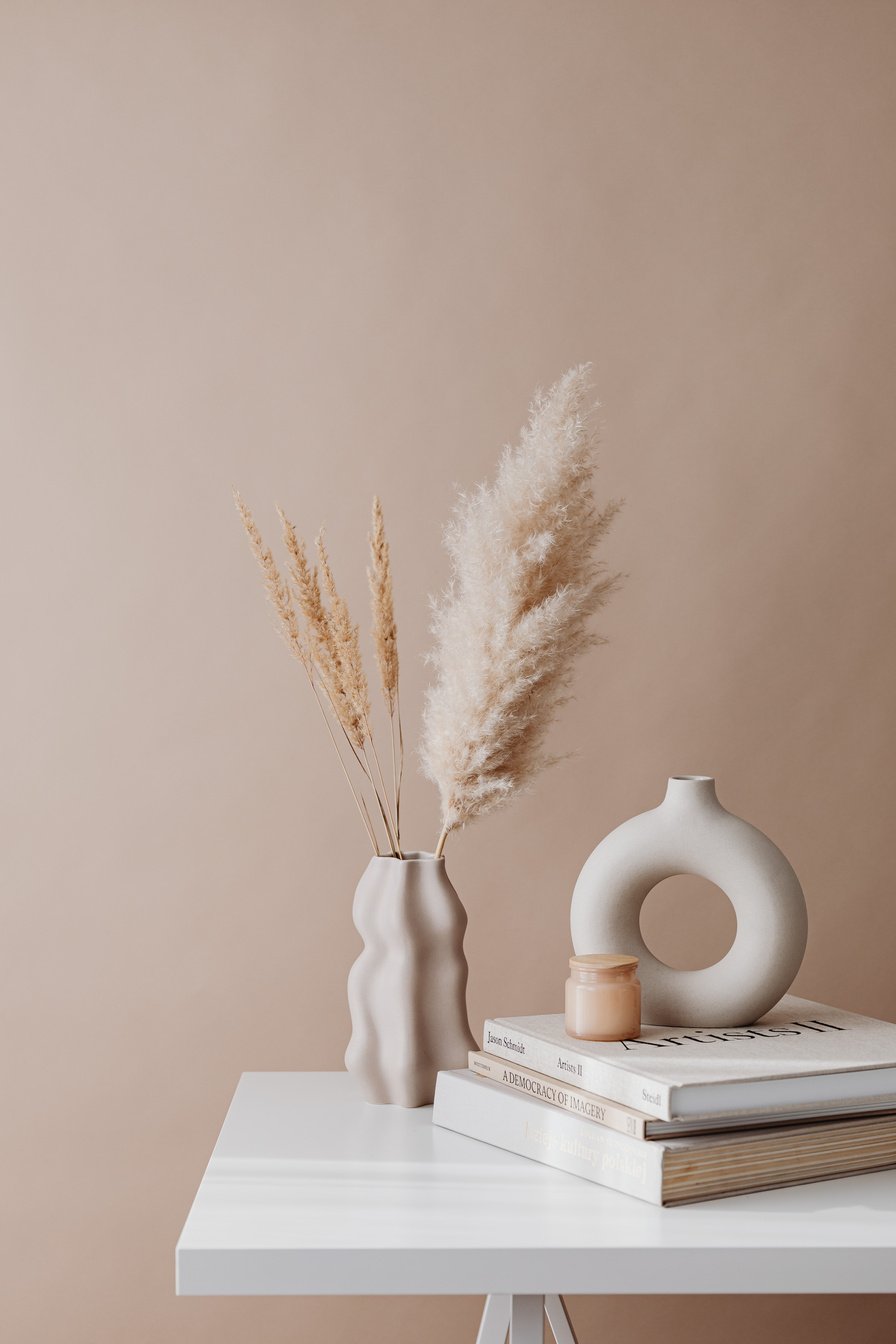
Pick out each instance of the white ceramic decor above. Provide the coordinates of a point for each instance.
(690, 832)
(407, 990)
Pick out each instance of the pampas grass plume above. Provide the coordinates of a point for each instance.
(525, 581)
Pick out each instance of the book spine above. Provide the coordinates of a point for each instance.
(572, 1099)
(569, 1066)
(519, 1124)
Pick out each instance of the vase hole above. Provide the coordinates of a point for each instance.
(688, 923)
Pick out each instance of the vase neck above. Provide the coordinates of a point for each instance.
(411, 858)
(690, 791)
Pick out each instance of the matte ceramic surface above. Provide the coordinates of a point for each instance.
(690, 832)
(310, 1191)
(407, 990)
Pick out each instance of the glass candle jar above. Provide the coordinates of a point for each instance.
(603, 997)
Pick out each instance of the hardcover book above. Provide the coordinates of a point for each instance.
(601, 1111)
(801, 1055)
(667, 1171)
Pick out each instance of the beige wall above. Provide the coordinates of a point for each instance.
(322, 249)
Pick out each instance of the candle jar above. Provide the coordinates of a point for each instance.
(603, 997)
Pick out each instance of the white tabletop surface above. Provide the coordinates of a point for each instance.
(311, 1190)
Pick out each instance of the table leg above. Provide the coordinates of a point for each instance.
(495, 1320)
(558, 1320)
(522, 1316)
(526, 1319)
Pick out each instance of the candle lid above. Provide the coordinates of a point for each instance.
(604, 961)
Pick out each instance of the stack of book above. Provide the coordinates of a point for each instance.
(683, 1114)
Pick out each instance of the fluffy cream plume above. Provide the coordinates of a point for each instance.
(525, 580)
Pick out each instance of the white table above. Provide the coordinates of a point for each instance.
(310, 1190)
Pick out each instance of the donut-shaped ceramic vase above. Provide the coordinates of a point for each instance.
(690, 832)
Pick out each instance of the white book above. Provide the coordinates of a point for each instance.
(589, 1106)
(520, 1124)
(665, 1171)
(801, 1055)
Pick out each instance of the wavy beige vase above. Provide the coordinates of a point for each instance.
(407, 990)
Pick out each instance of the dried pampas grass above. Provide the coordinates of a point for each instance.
(342, 655)
(297, 641)
(345, 646)
(385, 643)
(385, 633)
(276, 589)
(525, 581)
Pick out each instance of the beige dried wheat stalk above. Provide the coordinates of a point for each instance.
(354, 697)
(525, 581)
(385, 632)
(306, 589)
(277, 591)
(385, 643)
(298, 641)
(321, 634)
(344, 651)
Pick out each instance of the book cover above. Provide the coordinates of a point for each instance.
(801, 1054)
